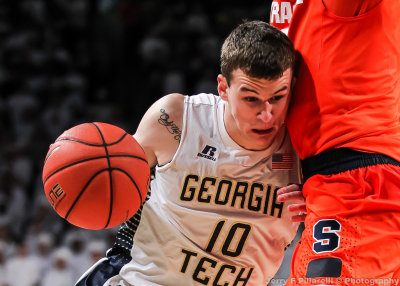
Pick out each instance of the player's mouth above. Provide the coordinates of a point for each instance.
(263, 131)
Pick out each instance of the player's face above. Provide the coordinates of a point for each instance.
(256, 108)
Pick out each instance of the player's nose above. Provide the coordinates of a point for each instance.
(266, 113)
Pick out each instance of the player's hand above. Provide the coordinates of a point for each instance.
(294, 193)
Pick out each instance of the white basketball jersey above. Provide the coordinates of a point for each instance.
(213, 217)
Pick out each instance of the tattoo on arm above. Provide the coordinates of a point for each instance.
(170, 125)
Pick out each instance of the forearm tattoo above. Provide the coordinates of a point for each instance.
(170, 125)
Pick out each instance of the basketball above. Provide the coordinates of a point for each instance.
(96, 175)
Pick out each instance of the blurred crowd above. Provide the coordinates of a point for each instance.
(65, 62)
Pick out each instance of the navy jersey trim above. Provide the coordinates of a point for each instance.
(104, 270)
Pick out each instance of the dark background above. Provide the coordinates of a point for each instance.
(67, 62)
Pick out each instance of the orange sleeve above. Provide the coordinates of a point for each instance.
(346, 8)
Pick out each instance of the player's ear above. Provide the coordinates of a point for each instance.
(222, 87)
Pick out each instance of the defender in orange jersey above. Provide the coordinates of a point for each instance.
(344, 124)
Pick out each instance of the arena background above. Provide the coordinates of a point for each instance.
(65, 62)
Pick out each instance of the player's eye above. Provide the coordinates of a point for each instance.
(275, 98)
(250, 99)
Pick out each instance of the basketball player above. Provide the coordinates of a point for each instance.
(213, 217)
(344, 124)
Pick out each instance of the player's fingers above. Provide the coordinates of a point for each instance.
(289, 189)
(301, 211)
(295, 195)
(298, 218)
(297, 208)
(290, 192)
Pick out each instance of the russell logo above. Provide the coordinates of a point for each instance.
(209, 152)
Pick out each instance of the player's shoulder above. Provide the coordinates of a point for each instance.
(160, 129)
(173, 98)
(173, 101)
(168, 107)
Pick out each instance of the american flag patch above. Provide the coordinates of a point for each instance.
(282, 161)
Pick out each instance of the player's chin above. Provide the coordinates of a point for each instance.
(262, 139)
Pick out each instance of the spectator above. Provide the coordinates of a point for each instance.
(23, 269)
(59, 274)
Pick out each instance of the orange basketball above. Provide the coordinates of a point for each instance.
(96, 175)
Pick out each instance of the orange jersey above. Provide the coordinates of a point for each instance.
(348, 87)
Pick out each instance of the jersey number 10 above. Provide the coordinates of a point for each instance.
(238, 233)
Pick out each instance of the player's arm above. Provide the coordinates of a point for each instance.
(159, 131)
(294, 193)
(346, 8)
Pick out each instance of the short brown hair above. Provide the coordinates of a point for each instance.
(258, 49)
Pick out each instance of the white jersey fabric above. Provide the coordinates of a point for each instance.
(213, 217)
